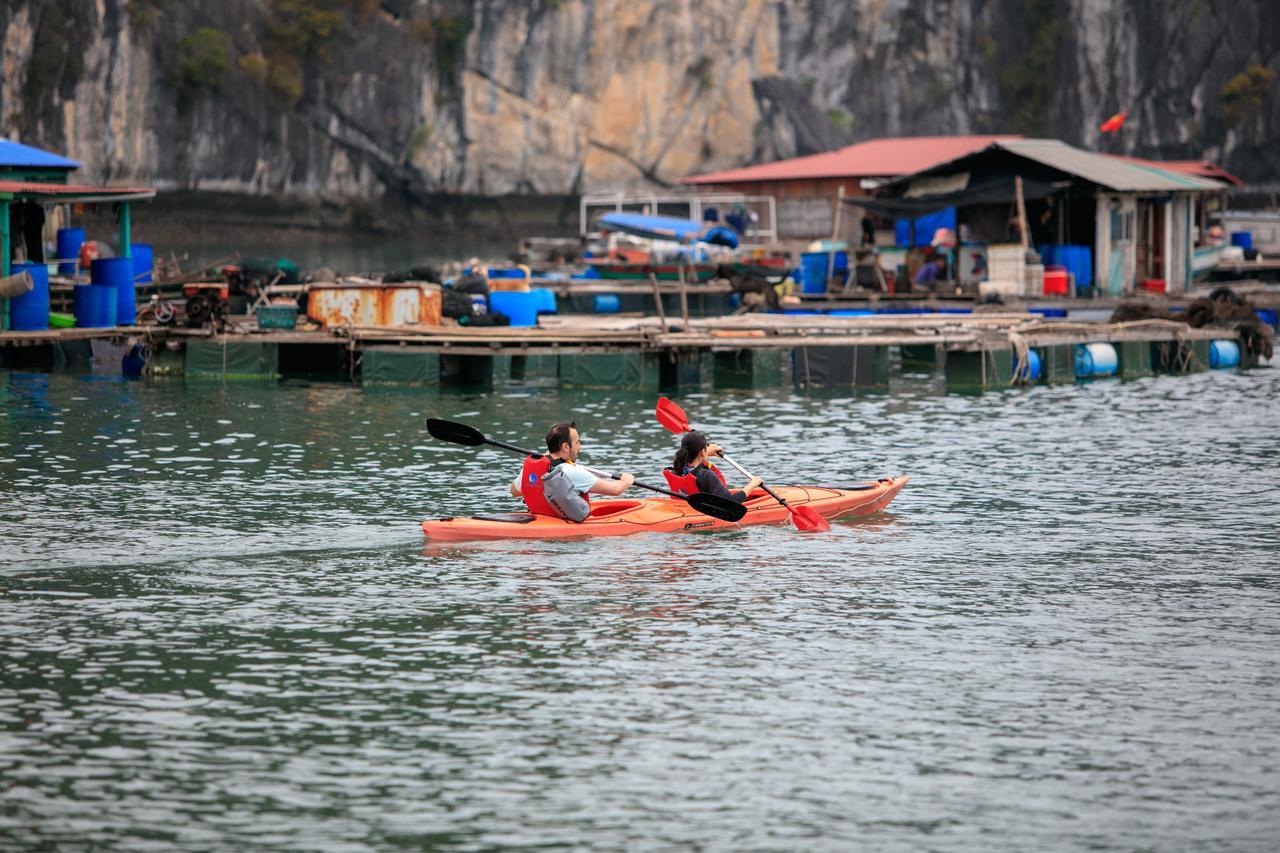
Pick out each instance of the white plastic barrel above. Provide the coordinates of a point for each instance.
(1094, 360)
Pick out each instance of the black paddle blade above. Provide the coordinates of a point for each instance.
(454, 433)
(717, 507)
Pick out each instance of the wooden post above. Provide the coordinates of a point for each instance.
(1022, 211)
(5, 236)
(684, 295)
(657, 298)
(835, 233)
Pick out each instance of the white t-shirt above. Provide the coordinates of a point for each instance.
(580, 477)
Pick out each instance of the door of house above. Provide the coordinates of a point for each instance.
(1121, 261)
(1151, 240)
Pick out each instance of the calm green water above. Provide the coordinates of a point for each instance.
(221, 629)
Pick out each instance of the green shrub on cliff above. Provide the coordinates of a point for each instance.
(143, 13)
(255, 66)
(446, 37)
(1243, 93)
(204, 57)
(1025, 78)
(303, 28)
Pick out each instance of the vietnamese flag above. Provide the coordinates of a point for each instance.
(1113, 124)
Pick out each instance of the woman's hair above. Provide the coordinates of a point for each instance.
(691, 445)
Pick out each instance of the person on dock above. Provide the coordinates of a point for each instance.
(928, 276)
(691, 470)
(556, 485)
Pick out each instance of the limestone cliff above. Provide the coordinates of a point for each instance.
(357, 100)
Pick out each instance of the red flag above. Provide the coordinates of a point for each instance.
(1113, 124)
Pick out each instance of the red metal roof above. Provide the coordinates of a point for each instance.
(875, 158)
(74, 191)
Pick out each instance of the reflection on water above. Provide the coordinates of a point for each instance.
(222, 628)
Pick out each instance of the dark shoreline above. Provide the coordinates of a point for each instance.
(187, 217)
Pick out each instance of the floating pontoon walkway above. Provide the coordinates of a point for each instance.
(980, 350)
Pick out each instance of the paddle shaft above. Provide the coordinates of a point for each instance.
(744, 472)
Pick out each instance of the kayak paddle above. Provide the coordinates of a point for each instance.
(674, 419)
(712, 505)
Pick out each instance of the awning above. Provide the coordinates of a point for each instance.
(65, 193)
(989, 192)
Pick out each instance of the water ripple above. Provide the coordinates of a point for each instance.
(223, 628)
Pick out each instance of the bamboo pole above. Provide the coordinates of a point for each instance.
(657, 299)
(684, 296)
(1022, 211)
(835, 233)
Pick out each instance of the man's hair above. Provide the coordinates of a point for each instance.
(558, 435)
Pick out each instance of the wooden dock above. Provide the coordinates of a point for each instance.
(984, 349)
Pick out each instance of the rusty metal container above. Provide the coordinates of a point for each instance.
(432, 306)
(409, 304)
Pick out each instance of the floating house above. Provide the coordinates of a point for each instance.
(805, 189)
(1136, 219)
(31, 177)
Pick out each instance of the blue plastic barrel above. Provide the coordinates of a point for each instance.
(813, 270)
(1077, 259)
(607, 303)
(30, 311)
(520, 306)
(118, 273)
(1095, 360)
(546, 299)
(94, 306)
(69, 242)
(1224, 355)
(1033, 365)
(143, 262)
(1270, 316)
(1243, 239)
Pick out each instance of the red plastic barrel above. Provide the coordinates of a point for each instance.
(1055, 281)
(1153, 285)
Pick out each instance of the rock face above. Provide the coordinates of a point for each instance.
(358, 101)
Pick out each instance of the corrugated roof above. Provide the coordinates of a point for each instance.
(15, 154)
(1116, 173)
(75, 192)
(1199, 168)
(875, 158)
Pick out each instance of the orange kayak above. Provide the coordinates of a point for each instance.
(667, 515)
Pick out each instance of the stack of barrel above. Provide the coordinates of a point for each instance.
(108, 300)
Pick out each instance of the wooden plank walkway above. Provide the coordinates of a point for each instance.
(594, 334)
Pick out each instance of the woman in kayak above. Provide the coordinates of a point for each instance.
(691, 472)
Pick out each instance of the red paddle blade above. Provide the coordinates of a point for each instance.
(807, 518)
(671, 416)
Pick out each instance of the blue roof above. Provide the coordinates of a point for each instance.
(17, 154)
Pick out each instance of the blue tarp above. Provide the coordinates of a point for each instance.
(652, 227)
(924, 227)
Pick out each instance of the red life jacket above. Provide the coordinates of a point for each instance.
(535, 468)
(687, 484)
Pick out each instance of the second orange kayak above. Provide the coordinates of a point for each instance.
(667, 515)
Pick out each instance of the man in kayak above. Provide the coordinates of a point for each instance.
(691, 471)
(556, 485)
